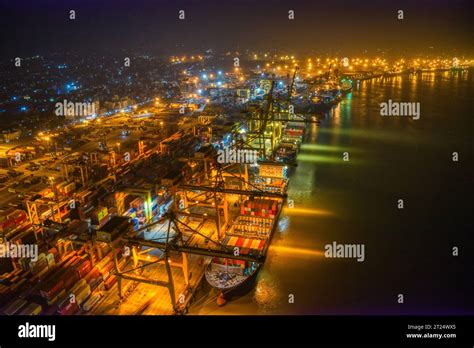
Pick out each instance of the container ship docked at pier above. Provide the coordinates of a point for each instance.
(322, 96)
(252, 230)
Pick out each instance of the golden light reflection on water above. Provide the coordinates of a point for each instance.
(306, 211)
(303, 157)
(267, 294)
(380, 135)
(324, 148)
(336, 114)
(428, 78)
(296, 251)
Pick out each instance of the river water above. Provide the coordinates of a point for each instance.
(407, 251)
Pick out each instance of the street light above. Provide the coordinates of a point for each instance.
(51, 179)
(47, 140)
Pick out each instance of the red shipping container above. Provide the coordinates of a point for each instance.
(54, 251)
(75, 261)
(107, 270)
(56, 289)
(84, 270)
(78, 265)
(19, 217)
(68, 262)
(92, 275)
(7, 225)
(70, 278)
(110, 282)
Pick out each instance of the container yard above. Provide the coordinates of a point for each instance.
(138, 228)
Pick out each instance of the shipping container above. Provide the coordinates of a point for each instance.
(79, 284)
(83, 294)
(56, 299)
(91, 302)
(32, 309)
(69, 188)
(107, 269)
(110, 282)
(97, 284)
(70, 278)
(92, 275)
(15, 306)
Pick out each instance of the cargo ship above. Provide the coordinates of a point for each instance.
(322, 97)
(253, 228)
(286, 152)
(251, 232)
(231, 277)
(289, 146)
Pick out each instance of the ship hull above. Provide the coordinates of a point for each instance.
(346, 90)
(242, 287)
(313, 108)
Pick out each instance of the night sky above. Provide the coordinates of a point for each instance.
(331, 26)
